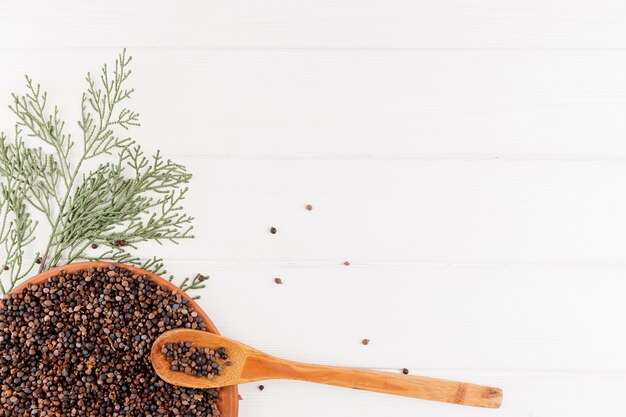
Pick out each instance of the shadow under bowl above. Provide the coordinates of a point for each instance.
(229, 397)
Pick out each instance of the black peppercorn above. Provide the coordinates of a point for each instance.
(273, 230)
(405, 371)
(200, 362)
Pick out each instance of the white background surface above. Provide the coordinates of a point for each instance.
(468, 158)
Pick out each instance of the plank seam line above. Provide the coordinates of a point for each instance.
(366, 264)
(404, 156)
(346, 47)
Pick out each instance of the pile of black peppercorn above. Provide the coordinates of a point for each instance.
(196, 361)
(79, 345)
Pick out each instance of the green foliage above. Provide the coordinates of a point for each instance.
(98, 214)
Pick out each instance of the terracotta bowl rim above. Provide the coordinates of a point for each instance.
(229, 397)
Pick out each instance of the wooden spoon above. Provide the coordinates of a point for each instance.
(249, 365)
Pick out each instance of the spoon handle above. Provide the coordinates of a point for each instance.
(267, 367)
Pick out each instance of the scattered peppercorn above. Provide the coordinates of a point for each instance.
(79, 345)
(6, 267)
(201, 362)
(94, 246)
(261, 387)
(120, 243)
(273, 230)
(240, 397)
(38, 260)
(278, 280)
(309, 207)
(346, 263)
(200, 278)
(365, 342)
(405, 371)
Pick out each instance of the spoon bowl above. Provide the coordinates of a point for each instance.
(230, 375)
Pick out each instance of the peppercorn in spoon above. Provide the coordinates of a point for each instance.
(246, 364)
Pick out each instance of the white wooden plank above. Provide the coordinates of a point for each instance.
(432, 318)
(367, 104)
(323, 23)
(537, 394)
(407, 211)
(381, 211)
(436, 319)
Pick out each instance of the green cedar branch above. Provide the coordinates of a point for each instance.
(116, 206)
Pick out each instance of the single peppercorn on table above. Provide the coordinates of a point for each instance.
(249, 365)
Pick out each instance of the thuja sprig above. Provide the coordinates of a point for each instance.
(16, 232)
(103, 213)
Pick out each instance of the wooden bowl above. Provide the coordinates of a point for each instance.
(229, 397)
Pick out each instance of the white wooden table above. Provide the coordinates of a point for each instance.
(468, 158)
